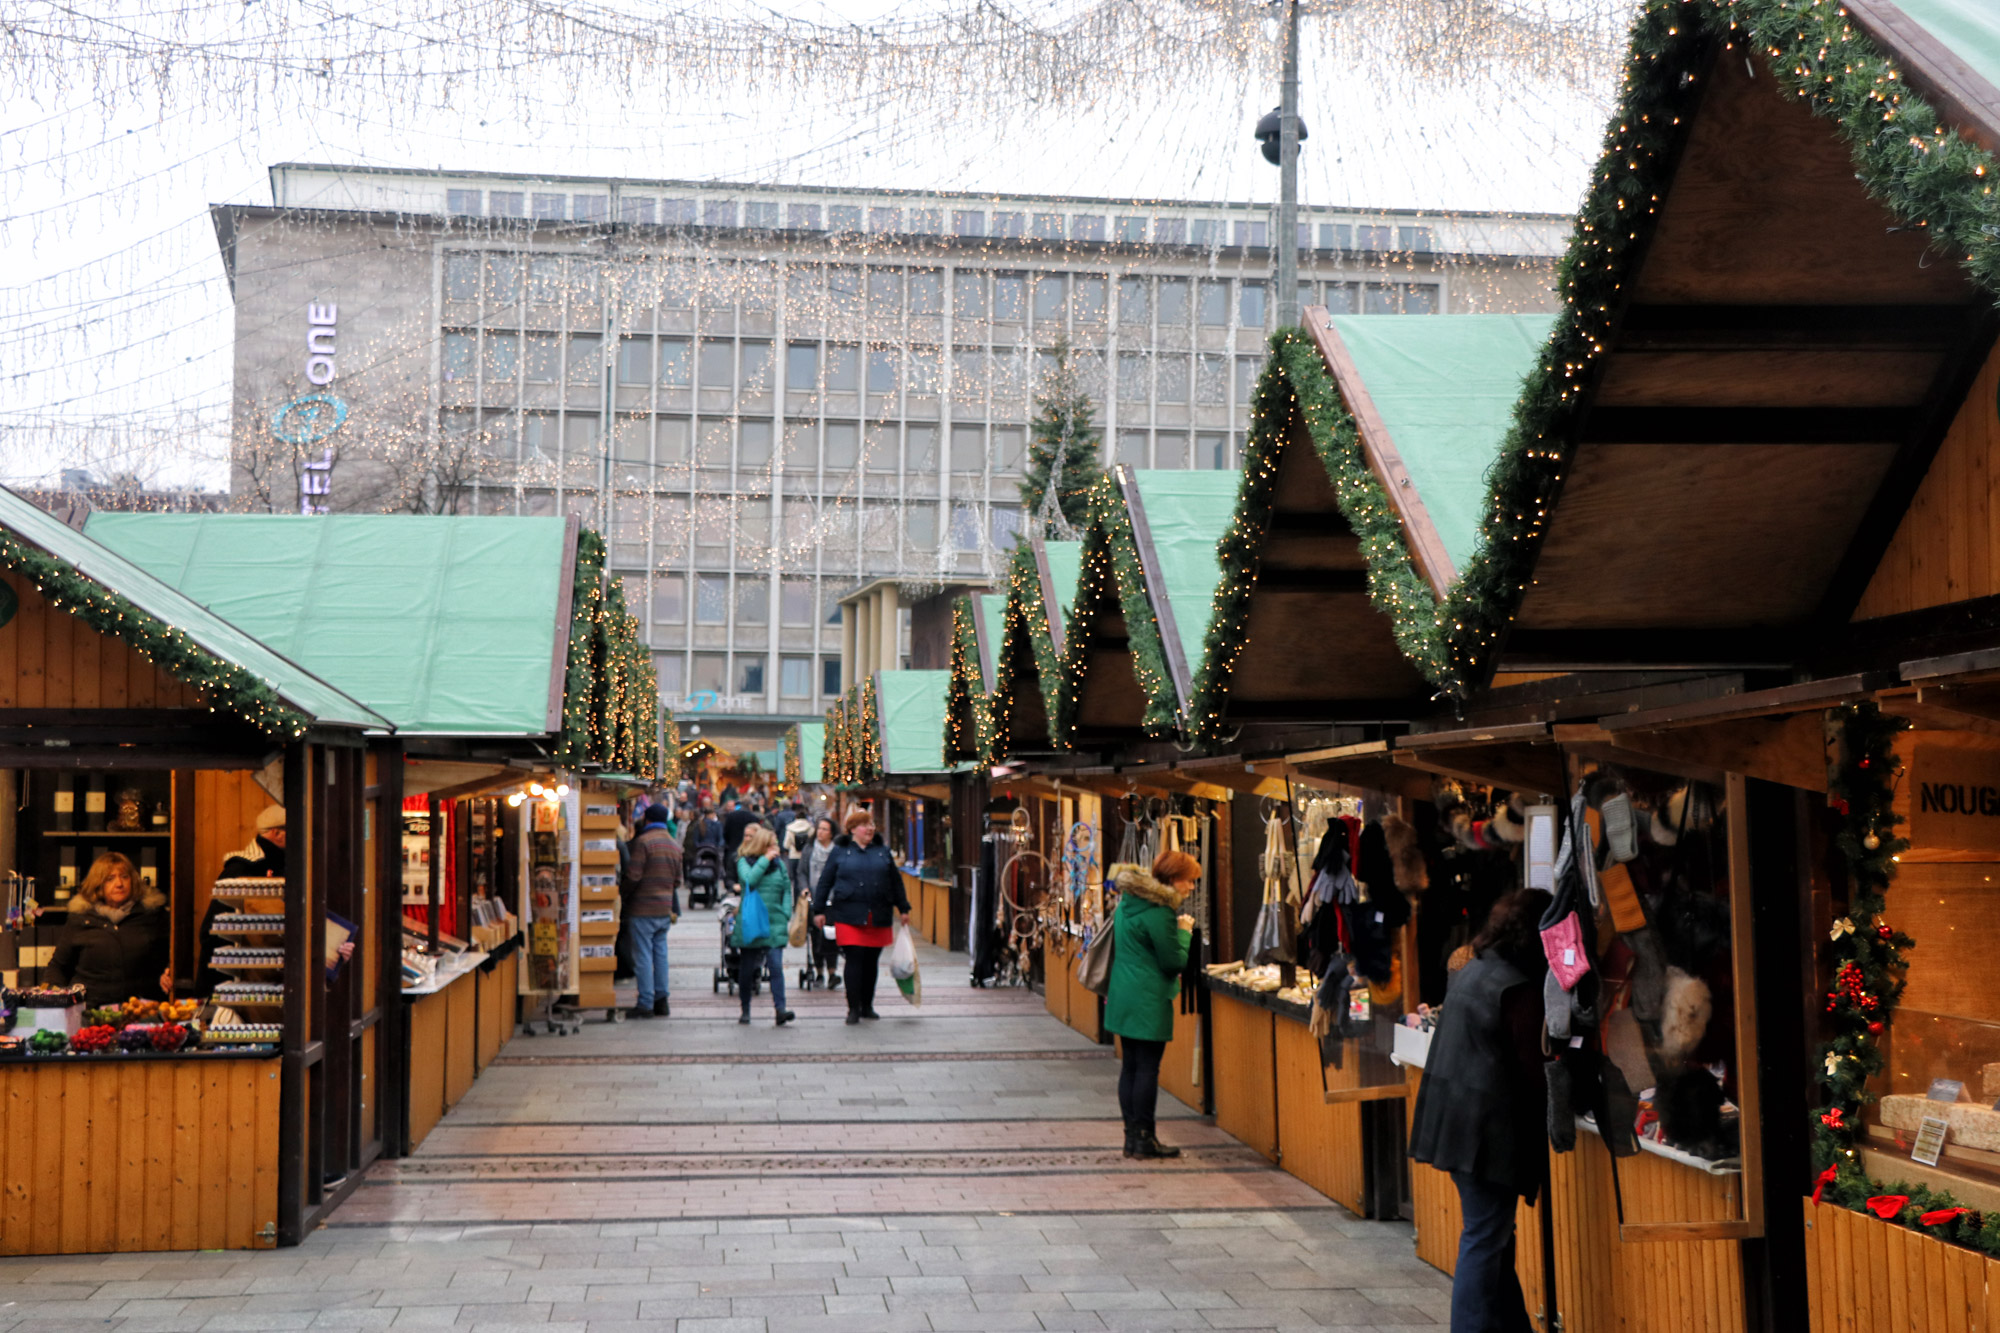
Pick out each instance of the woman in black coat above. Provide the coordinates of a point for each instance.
(861, 892)
(1482, 1110)
(116, 943)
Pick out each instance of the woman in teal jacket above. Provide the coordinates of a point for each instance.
(1149, 949)
(760, 871)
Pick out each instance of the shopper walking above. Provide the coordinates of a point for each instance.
(1482, 1109)
(1149, 946)
(861, 893)
(760, 870)
(737, 819)
(653, 867)
(825, 953)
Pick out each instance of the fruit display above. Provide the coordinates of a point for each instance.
(43, 997)
(135, 1039)
(45, 1042)
(169, 1037)
(100, 1037)
(179, 1011)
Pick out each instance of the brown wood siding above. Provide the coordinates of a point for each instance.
(138, 1155)
(50, 659)
(1318, 1143)
(461, 1042)
(1246, 1094)
(428, 1027)
(1863, 1274)
(226, 803)
(497, 990)
(1180, 1067)
(1055, 986)
(1947, 547)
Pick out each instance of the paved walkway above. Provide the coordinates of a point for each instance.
(956, 1166)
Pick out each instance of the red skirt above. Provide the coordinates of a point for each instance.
(867, 937)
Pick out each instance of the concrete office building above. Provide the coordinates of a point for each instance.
(805, 389)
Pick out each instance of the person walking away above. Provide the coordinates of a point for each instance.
(861, 893)
(654, 868)
(825, 955)
(760, 870)
(1150, 941)
(738, 819)
(1482, 1108)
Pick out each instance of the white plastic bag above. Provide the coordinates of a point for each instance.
(903, 954)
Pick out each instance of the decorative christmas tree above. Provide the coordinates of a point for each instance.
(1065, 457)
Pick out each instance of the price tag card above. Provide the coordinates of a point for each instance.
(1930, 1141)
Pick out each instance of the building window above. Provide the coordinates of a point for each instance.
(802, 446)
(843, 368)
(882, 369)
(1004, 523)
(1247, 370)
(756, 364)
(669, 599)
(802, 367)
(1088, 298)
(968, 449)
(505, 203)
(586, 351)
(843, 289)
(753, 450)
(965, 532)
(1336, 236)
(1132, 386)
(795, 602)
(589, 207)
(1420, 298)
(829, 676)
(968, 222)
(926, 221)
(923, 449)
(461, 277)
(635, 360)
(1170, 231)
(925, 370)
(1131, 229)
(1050, 289)
(926, 292)
(460, 351)
(749, 673)
(1008, 443)
(1214, 303)
(802, 217)
(1417, 240)
(718, 363)
(1173, 302)
(1379, 298)
(843, 217)
(762, 214)
(1171, 377)
(1305, 236)
(1212, 451)
(885, 220)
(672, 445)
(1250, 305)
(968, 294)
(465, 202)
(638, 211)
(885, 293)
(544, 358)
(1009, 224)
(668, 669)
(676, 363)
(718, 213)
(1087, 227)
(1047, 227)
(1135, 301)
(709, 669)
(503, 353)
(922, 527)
(1372, 237)
(1170, 449)
(545, 281)
(503, 279)
(1132, 448)
(1255, 235)
(677, 212)
(711, 599)
(753, 600)
(546, 207)
(968, 372)
(1010, 297)
(843, 446)
(1211, 380)
(1339, 298)
(580, 435)
(795, 677)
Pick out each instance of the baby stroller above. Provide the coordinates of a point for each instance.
(704, 877)
(732, 957)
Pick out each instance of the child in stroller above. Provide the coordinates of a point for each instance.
(704, 877)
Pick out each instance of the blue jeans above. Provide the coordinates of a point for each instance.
(1485, 1292)
(751, 963)
(649, 957)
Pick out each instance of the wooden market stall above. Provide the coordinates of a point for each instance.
(1041, 591)
(140, 730)
(506, 663)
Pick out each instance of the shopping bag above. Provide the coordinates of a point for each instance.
(753, 919)
(1093, 970)
(795, 934)
(903, 965)
(1274, 939)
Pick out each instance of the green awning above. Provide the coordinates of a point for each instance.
(1065, 569)
(912, 706)
(1969, 29)
(1445, 387)
(1186, 514)
(812, 750)
(224, 639)
(991, 608)
(447, 625)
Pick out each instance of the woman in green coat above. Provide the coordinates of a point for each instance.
(1149, 949)
(759, 870)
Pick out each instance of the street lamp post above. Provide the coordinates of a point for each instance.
(1288, 174)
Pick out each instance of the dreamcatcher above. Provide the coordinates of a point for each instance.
(1023, 880)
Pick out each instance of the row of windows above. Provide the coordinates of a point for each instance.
(764, 214)
(690, 674)
(844, 290)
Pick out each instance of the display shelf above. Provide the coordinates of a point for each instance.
(163, 835)
(248, 888)
(448, 971)
(247, 960)
(1726, 1166)
(248, 923)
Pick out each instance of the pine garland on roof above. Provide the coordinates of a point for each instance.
(1113, 574)
(968, 709)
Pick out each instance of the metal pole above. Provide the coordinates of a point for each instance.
(1288, 174)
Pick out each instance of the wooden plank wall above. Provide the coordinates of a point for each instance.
(1245, 1076)
(1604, 1284)
(1180, 1067)
(1863, 1275)
(1056, 961)
(1318, 1143)
(497, 990)
(1947, 547)
(138, 1155)
(50, 659)
(226, 805)
(461, 1039)
(1434, 1208)
(428, 1027)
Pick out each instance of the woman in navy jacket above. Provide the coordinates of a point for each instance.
(861, 892)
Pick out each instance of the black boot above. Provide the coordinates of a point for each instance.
(660, 1007)
(1131, 1140)
(1151, 1147)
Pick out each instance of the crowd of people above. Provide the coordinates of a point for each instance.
(779, 854)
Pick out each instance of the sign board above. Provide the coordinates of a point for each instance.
(1954, 799)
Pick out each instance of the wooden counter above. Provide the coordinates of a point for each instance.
(1181, 1071)
(1246, 1079)
(454, 1033)
(1864, 1273)
(1320, 1143)
(146, 1154)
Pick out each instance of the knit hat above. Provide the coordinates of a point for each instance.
(270, 817)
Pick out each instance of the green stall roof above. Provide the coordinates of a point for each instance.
(1445, 389)
(991, 608)
(1968, 29)
(812, 751)
(447, 625)
(1065, 570)
(911, 705)
(222, 638)
(1186, 514)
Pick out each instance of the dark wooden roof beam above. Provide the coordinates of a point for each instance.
(1648, 650)
(1746, 425)
(1721, 328)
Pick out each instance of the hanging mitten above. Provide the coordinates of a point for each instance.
(1562, 1110)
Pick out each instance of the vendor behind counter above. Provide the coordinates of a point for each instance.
(116, 944)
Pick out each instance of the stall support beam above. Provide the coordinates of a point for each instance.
(1781, 830)
(391, 1107)
(292, 1064)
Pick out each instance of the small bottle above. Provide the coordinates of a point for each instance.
(65, 801)
(159, 816)
(149, 867)
(93, 803)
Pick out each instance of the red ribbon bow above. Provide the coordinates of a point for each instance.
(1826, 1178)
(1886, 1206)
(1940, 1216)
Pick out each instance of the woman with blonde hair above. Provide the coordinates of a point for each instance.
(761, 871)
(116, 942)
(1149, 949)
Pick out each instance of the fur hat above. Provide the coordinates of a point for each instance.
(1684, 1015)
(270, 817)
(1406, 854)
(1507, 824)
